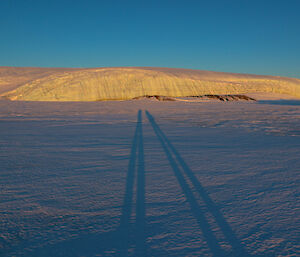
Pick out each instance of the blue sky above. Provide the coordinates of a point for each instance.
(260, 37)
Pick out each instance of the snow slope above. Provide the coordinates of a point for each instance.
(126, 83)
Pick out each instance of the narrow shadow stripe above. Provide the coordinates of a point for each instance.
(140, 197)
(124, 228)
(196, 209)
(230, 236)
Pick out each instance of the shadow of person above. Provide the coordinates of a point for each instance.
(129, 235)
(174, 157)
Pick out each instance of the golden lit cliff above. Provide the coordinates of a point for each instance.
(126, 83)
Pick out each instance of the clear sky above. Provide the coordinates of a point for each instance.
(244, 36)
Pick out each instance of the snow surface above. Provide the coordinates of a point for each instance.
(123, 83)
(183, 179)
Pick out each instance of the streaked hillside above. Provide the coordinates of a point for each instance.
(126, 83)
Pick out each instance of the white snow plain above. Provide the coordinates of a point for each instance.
(182, 179)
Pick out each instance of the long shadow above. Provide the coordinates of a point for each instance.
(140, 197)
(127, 235)
(197, 211)
(137, 234)
(124, 228)
(237, 247)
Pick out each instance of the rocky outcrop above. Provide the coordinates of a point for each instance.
(228, 97)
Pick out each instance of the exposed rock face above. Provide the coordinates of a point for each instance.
(228, 97)
(155, 97)
(215, 97)
(128, 83)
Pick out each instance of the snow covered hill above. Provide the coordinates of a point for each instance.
(96, 84)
